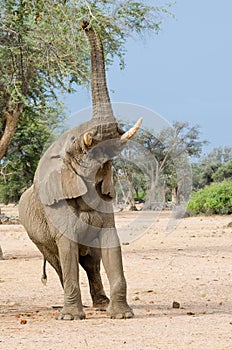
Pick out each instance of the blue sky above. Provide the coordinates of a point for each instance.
(184, 73)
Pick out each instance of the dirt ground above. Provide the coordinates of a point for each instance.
(191, 264)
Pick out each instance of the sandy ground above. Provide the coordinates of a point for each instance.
(192, 265)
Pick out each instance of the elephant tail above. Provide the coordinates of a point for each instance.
(44, 275)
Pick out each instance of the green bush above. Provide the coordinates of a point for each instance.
(213, 199)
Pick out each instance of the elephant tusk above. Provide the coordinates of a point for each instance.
(88, 139)
(132, 132)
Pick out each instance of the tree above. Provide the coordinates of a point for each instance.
(204, 172)
(163, 163)
(44, 49)
(130, 182)
(224, 172)
(34, 133)
(219, 155)
(171, 170)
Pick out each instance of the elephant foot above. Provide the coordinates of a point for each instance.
(69, 313)
(101, 303)
(120, 311)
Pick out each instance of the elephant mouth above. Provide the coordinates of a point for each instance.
(105, 196)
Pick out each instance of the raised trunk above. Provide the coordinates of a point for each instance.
(102, 109)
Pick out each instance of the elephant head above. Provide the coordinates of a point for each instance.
(82, 155)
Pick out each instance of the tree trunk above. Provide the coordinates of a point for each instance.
(1, 254)
(130, 189)
(10, 127)
(174, 195)
(136, 192)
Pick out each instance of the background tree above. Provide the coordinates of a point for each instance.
(165, 166)
(212, 177)
(205, 170)
(224, 172)
(131, 183)
(171, 149)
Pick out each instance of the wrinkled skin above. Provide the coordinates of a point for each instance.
(68, 211)
(68, 215)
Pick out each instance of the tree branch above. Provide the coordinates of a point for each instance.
(10, 127)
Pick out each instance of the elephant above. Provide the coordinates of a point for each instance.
(68, 211)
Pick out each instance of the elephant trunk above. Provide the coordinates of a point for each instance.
(102, 109)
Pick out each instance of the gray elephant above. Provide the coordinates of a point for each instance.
(68, 212)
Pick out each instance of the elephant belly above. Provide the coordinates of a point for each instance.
(32, 217)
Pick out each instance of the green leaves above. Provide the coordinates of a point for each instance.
(216, 166)
(224, 172)
(213, 199)
(35, 129)
(44, 39)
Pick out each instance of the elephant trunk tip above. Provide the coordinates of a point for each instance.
(84, 24)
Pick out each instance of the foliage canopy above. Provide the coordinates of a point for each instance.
(216, 166)
(34, 133)
(213, 199)
(44, 49)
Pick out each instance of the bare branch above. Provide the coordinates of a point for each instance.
(3, 172)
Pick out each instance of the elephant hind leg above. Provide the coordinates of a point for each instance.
(91, 264)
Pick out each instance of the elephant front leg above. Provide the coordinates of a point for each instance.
(112, 261)
(68, 253)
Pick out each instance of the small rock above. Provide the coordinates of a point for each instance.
(136, 298)
(6, 220)
(23, 322)
(175, 305)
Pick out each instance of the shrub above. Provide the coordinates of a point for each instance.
(213, 199)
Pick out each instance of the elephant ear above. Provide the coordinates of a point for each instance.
(54, 179)
(59, 184)
(73, 185)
